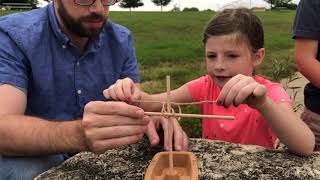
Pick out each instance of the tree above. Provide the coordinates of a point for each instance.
(31, 2)
(190, 9)
(161, 3)
(130, 4)
(278, 3)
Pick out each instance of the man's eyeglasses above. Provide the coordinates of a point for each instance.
(90, 2)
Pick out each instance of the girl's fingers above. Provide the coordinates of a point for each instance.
(260, 91)
(128, 88)
(244, 93)
(118, 91)
(164, 125)
(185, 142)
(152, 133)
(235, 90)
(226, 88)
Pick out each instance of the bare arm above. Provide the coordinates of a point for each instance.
(23, 135)
(306, 54)
(105, 125)
(290, 129)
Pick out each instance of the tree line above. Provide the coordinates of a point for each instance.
(162, 3)
(137, 3)
(129, 4)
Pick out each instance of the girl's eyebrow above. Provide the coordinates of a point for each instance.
(211, 52)
(232, 51)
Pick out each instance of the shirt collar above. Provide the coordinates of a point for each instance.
(93, 45)
(63, 38)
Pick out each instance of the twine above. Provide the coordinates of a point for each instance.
(164, 104)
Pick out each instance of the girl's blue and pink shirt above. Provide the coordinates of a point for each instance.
(59, 80)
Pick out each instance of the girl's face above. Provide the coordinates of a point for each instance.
(227, 56)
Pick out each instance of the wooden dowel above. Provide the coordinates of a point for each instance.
(170, 124)
(189, 115)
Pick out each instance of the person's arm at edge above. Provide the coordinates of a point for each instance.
(305, 55)
(39, 136)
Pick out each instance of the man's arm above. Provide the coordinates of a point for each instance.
(24, 135)
(105, 125)
(306, 53)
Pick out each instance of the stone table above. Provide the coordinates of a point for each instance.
(216, 160)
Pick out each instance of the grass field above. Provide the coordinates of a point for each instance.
(170, 43)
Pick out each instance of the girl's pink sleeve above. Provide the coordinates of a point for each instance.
(278, 94)
(195, 88)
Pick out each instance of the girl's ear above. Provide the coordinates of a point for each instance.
(259, 56)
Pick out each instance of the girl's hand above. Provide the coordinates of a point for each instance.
(242, 89)
(124, 90)
(180, 138)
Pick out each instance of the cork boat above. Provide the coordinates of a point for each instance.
(185, 167)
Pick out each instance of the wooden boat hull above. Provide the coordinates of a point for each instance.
(185, 167)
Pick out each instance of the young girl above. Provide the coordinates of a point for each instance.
(234, 42)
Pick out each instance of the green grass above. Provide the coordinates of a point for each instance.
(170, 43)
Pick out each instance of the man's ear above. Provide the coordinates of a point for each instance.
(259, 56)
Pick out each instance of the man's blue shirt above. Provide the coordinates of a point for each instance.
(59, 80)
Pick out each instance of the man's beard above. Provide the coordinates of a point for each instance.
(76, 27)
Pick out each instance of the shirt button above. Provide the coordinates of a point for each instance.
(78, 63)
(64, 46)
(79, 91)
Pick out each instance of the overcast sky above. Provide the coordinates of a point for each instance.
(200, 4)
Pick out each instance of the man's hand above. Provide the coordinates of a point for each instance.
(242, 89)
(123, 90)
(180, 138)
(110, 124)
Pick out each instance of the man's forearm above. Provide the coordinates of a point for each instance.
(26, 136)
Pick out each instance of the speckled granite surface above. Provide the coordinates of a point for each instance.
(216, 160)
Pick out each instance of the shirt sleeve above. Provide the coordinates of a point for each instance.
(278, 94)
(195, 88)
(13, 68)
(130, 68)
(307, 23)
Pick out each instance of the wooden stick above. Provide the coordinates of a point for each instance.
(189, 115)
(170, 124)
(175, 103)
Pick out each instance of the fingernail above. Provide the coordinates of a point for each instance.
(178, 148)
